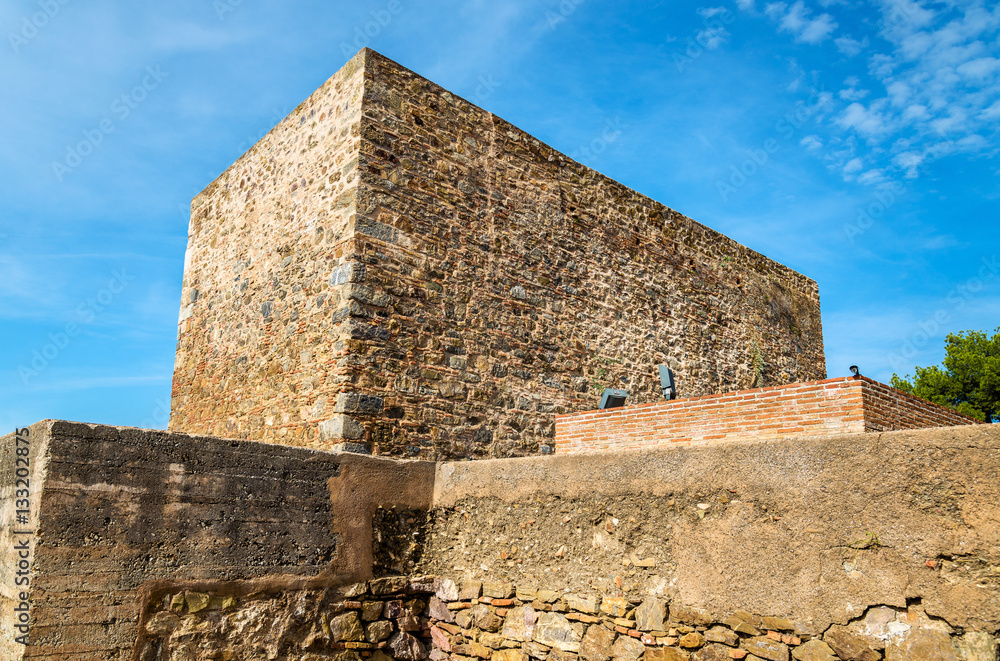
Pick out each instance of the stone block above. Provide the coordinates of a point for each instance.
(339, 427)
(353, 402)
(348, 272)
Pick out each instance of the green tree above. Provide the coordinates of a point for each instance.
(969, 379)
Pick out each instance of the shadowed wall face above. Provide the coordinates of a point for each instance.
(477, 284)
(115, 509)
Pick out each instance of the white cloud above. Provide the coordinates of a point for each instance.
(915, 112)
(872, 177)
(852, 94)
(983, 67)
(938, 70)
(712, 38)
(866, 121)
(746, 5)
(991, 113)
(853, 165)
(849, 46)
(797, 20)
(709, 12)
(909, 161)
(811, 142)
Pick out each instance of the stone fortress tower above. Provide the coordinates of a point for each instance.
(394, 269)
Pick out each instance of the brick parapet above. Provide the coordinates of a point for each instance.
(814, 408)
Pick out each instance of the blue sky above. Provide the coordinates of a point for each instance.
(855, 142)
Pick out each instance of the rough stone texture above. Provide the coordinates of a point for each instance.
(976, 646)
(722, 635)
(407, 647)
(666, 654)
(712, 652)
(554, 630)
(814, 650)
(650, 614)
(520, 623)
(627, 649)
(795, 528)
(457, 280)
(596, 644)
(922, 645)
(346, 628)
(117, 508)
(849, 646)
(767, 648)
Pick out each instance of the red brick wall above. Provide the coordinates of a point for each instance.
(887, 409)
(815, 408)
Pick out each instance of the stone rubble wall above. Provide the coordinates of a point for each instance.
(394, 269)
(259, 353)
(411, 619)
(816, 408)
(506, 283)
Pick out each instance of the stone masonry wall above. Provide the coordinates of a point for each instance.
(259, 353)
(816, 408)
(411, 619)
(506, 283)
(395, 268)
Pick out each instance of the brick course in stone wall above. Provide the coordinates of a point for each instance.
(815, 408)
(394, 268)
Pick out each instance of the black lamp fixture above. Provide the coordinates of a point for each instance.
(613, 398)
(667, 385)
(855, 371)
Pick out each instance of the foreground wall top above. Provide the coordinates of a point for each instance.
(396, 268)
(126, 526)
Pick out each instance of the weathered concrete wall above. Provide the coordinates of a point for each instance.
(471, 283)
(817, 530)
(151, 543)
(116, 510)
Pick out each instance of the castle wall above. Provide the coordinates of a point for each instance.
(817, 530)
(517, 284)
(393, 268)
(258, 352)
(440, 618)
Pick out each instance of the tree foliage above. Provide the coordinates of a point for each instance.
(968, 380)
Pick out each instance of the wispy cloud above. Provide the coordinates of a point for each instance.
(798, 21)
(850, 46)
